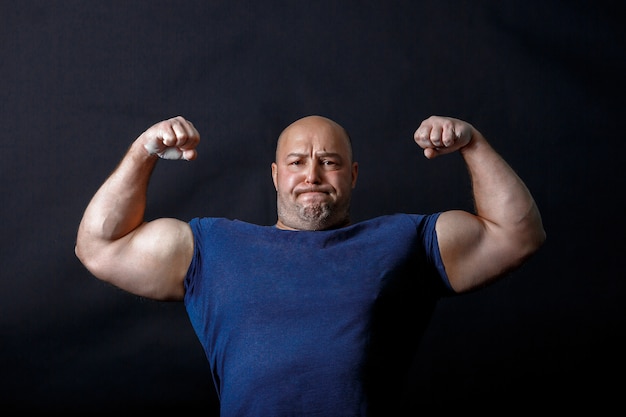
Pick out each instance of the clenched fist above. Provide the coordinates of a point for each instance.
(441, 135)
(173, 139)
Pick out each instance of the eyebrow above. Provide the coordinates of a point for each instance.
(317, 154)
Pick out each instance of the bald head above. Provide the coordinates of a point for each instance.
(316, 124)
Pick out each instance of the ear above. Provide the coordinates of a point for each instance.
(274, 173)
(355, 173)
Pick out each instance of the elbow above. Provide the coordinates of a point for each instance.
(82, 254)
(522, 244)
(541, 238)
(531, 234)
(88, 257)
(535, 238)
(538, 236)
(79, 252)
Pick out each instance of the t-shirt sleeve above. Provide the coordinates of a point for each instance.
(431, 246)
(200, 228)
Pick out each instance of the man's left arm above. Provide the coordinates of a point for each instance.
(506, 228)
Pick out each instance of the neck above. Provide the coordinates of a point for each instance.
(313, 227)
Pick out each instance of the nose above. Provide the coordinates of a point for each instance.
(312, 174)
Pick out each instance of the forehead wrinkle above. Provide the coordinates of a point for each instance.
(316, 154)
(307, 133)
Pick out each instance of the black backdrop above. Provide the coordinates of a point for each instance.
(544, 81)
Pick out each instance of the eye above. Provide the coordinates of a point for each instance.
(329, 163)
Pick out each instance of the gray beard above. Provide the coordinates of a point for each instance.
(311, 217)
(316, 215)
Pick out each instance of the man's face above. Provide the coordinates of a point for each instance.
(313, 175)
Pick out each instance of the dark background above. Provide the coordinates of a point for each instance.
(543, 81)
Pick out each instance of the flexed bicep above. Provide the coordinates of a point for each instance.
(150, 262)
(475, 251)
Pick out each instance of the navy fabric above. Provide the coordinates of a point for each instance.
(288, 319)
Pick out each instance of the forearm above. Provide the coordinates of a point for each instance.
(501, 198)
(118, 206)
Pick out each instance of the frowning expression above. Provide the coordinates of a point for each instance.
(313, 175)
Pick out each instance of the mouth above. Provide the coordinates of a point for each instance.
(316, 190)
(312, 194)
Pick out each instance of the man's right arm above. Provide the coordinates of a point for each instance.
(116, 244)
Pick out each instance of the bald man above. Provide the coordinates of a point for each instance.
(314, 315)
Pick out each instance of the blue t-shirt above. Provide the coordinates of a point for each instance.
(308, 323)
